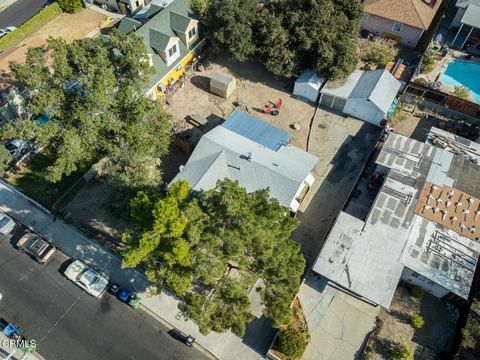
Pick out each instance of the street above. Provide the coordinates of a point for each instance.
(19, 12)
(68, 323)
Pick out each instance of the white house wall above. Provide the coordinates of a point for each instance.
(364, 110)
(429, 286)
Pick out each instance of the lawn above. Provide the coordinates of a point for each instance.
(31, 179)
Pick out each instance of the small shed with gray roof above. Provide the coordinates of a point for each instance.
(222, 84)
(367, 95)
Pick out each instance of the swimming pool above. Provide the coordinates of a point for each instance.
(461, 73)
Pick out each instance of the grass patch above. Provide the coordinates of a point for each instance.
(29, 27)
(31, 179)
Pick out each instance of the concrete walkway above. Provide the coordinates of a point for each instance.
(73, 243)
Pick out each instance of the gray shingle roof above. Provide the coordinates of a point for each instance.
(222, 153)
(127, 25)
(158, 40)
(179, 22)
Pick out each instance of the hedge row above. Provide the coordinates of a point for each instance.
(29, 27)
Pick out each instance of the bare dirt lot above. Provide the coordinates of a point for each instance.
(255, 88)
(67, 26)
(430, 342)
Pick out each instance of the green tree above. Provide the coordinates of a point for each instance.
(462, 92)
(302, 34)
(71, 6)
(200, 7)
(5, 160)
(230, 26)
(92, 91)
(212, 247)
(378, 53)
(402, 352)
(428, 63)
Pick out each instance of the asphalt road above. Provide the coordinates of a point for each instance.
(19, 12)
(69, 324)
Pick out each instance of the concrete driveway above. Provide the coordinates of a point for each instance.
(338, 322)
(343, 145)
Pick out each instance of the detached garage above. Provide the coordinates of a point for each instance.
(366, 95)
(308, 86)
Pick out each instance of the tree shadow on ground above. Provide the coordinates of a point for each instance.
(400, 316)
(383, 347)
(253, 71)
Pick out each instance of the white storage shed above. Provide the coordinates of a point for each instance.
(308, 86)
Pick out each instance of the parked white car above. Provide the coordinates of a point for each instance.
(7, 30)
(87, 278)
(6, 224)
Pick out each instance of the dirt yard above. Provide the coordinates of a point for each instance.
(430, 342)
(67, 26)
(255, 88)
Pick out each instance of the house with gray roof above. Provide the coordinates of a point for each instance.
(171, 32)
(367, 95)
(255, 154)
(417, 219)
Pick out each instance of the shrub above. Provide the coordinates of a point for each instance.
(427, 64)
(421, 81)
(461, 92)
(416, 292)
(292, 343)
(71, 6)
(29, 27)
(417, 321)
(402, 352)
(378, 53)
(378, 326)
(5, 160)
(399, 114)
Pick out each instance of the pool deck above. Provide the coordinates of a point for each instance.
(441, 67)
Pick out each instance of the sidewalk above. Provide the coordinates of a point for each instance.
(73, 243)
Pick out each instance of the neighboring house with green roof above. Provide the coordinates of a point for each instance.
(172, 38)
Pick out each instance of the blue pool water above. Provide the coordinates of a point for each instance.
(460, 73)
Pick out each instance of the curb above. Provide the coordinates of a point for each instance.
(170, 326)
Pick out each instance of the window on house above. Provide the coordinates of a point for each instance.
(397, 27)
(172, 51)
(192, 32)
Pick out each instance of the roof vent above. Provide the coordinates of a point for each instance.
(181, 168)
(250, 157)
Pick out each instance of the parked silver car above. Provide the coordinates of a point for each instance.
(18, 148)
(6, 224)
(87, 278)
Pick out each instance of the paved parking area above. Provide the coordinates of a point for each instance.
(67, 323)
(343, 145)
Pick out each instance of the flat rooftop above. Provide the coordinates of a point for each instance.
(367, 257)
